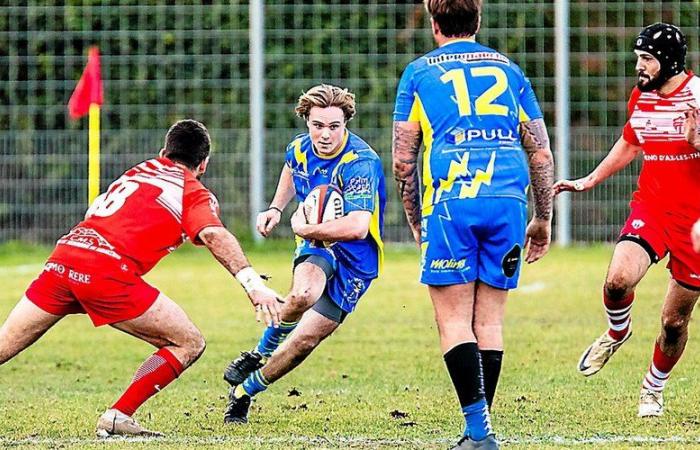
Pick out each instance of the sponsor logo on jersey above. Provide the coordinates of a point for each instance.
(54, 267)
(358, 188)
(79, 277)
(637, 224)
(494, 134)
(448, 264)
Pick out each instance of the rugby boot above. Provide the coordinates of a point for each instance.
(599, 352)
(244, 365)
(488, 443)
(237, 408)
(651, 403)
(115, 423)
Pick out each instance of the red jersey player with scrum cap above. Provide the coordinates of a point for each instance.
(662, 127)
(96, 269)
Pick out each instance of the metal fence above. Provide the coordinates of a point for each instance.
(164, 62)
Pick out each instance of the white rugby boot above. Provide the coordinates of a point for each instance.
(115, 423)
(599, 352)
(651, 403)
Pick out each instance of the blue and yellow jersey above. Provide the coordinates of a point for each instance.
(469, 101)
(357, 171)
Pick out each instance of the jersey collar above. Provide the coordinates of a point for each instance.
(340, 150)
(689, 76)
(454, 41)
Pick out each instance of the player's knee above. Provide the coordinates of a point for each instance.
(300, 299)
(195, 345)
(617, 287)
(673, 328)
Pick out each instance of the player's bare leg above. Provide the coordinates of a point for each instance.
(629, 264)
(25, 324)
(313, 328)
(454, 314)
(308, 284)
(166, 326)
(489, 311)
(675, 316)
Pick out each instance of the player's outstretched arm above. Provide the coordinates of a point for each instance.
(268, 219)
(352, 226)
(405, 145)
(535, 141)
(620, 155)
(226, 249)
(695, 236)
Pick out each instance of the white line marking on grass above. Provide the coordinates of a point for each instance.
(21, 269)
(532, 288)
(341, 442)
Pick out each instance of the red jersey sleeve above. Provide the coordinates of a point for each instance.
(627, 132)
(200, 209)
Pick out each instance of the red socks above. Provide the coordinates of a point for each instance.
(154, 374)
(660, 369)
(618, 313)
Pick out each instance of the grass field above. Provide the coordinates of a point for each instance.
(384, 359)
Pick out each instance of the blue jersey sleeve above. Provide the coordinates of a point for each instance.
(359, 185)
(289, 155)
(529, 108)
(405, 95)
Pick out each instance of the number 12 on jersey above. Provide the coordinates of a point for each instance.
(484, 104)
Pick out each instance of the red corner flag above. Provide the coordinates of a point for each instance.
(89, 88)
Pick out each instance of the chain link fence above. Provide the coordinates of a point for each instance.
(163, 62)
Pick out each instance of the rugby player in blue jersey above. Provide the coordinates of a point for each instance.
(328, 282)
(485, 145)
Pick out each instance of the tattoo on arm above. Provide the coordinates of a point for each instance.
(535, 141)
(405, 147)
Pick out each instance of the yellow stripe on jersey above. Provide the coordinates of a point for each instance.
(346, 158)
(418, 114)
(522, 115)
(376, 235)
(480, 178)
(300, 157)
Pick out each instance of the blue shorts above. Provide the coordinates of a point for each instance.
(343, 286)
(473, 239)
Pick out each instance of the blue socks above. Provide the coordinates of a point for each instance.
(254, 384)
(478, 420)
(272, 338)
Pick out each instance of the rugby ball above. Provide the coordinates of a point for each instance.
(324, 203)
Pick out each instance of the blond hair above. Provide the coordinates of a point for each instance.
(325, 96)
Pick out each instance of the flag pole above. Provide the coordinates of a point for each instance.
(93, 152)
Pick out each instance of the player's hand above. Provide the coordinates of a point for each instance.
(268, 305)
(267, 220)
(690, 127)
(580, 185)
(537, 238)
(695, 236)
(298, 222)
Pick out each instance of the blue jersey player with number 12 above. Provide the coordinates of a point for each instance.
(328, 281)
(485, 147)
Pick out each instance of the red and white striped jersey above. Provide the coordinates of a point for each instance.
(670, 175)
(144, 215)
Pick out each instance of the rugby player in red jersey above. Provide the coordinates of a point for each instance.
(662, 127)
(96, 269)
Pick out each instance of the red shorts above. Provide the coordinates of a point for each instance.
(661, 232)
(106, 290)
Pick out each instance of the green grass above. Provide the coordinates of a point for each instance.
(384, 358)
